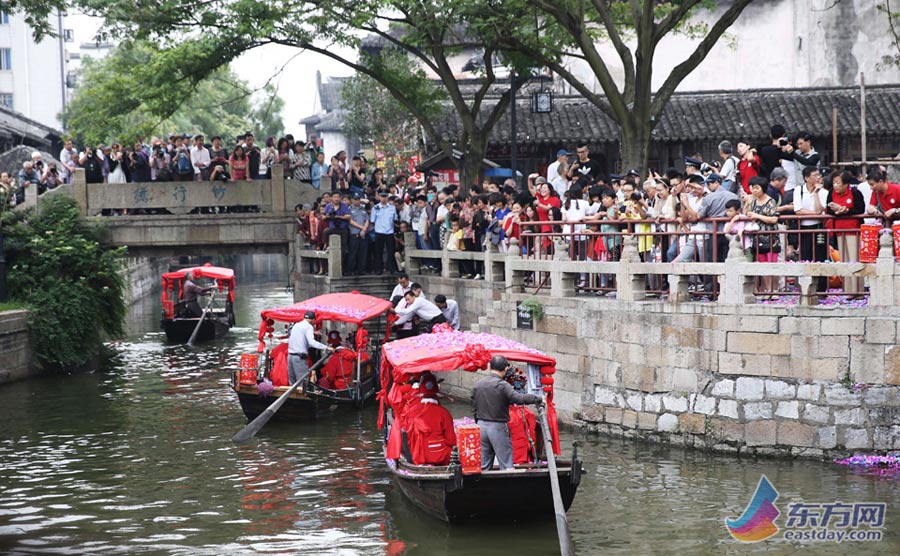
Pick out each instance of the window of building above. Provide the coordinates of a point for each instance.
(5, 59)
(4, 18)
(6, 99)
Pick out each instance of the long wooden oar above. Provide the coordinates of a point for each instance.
(255, 425)
(566, 547)
(200, 322)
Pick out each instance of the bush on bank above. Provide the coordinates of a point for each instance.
(70, 282)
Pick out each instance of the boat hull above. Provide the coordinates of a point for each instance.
(302, 405)
(179, 330)
(521, 493)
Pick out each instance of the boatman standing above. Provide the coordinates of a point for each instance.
(428, 313)
(191, 292)
(302, 338)
(491, 398)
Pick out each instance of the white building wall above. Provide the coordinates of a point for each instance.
(778, 44)
(36, 78)
(334, 142)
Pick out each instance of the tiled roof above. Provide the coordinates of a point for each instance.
(333, 121)
(711, 115)
(330, 93)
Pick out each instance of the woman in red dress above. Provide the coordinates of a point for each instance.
(844, 202)
(546, 200)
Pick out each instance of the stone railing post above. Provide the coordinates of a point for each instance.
(562, 284)
(335, 258)
(515, 280)
(449, 267)
(325, 184)
(630, 286)
(494, 261)
(79, 188)
(737, 288)
(808, 289)
(881, 286)
(296, 261)
(412, 264)
(279, 198)
(31, 196)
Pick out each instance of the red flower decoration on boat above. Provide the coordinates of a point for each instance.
(475, 357)
(441, 328)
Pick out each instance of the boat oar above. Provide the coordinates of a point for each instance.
(200, 322)
(566, 547)
(255, 425)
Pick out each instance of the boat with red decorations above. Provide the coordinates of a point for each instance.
(348, 378)
(461, 490)
(178, 323)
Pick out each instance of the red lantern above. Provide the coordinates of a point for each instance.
(547, 380)
(548, 389)
(548, 370)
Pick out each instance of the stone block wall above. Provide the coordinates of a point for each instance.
(15, 346)
(748, 379)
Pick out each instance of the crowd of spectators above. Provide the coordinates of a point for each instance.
(179, 158)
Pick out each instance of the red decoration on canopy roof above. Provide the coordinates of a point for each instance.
(451, 350)
(351, 307)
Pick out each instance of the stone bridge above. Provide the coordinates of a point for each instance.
(259, 218)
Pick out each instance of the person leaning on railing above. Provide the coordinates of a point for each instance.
(844, 202)
(810, 199)
(763, 210)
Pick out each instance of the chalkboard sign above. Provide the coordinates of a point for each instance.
(523, 317)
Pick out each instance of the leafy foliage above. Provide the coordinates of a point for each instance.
(893, 19)
(37, 14)
(71, 282)
(378, 118)
(122, 97)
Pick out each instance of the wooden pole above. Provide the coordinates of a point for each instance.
(834, 133)
(862, 120)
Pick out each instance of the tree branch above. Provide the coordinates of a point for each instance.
(672, 19)
(662, 96)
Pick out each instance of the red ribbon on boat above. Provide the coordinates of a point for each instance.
(475, 357)
(362, 338)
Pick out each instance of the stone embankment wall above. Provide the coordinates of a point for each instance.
(15, 346)
(142, 277)
(748, 379)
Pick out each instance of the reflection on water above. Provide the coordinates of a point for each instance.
(137, 458)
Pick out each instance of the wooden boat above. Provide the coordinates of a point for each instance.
(347, 317)
(461, 490)
(177, 324)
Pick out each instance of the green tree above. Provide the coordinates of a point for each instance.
(121, 97)
(375, 116)
(71, 283)
(893, 19)
(575, 29)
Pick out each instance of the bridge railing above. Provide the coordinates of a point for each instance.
(276, 195)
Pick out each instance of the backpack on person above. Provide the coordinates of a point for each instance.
(183, 163)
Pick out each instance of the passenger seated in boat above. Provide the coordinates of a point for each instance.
(279, 373)
(338, 370)
(522, 423)
(429, 426)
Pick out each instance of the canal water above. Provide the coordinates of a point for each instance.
(136, 458)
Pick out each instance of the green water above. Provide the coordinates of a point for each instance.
(136, 458)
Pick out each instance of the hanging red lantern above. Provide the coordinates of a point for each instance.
(547, 380)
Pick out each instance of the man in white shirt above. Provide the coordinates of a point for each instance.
(200, 159)
(302, 338)
(556, 172)
(427, 312)
(811, 198)
(403, 286)
(450, 309)
(67, 157)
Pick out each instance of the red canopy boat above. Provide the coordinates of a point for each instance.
(461, 490)
(348, 378)
(178, 323)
